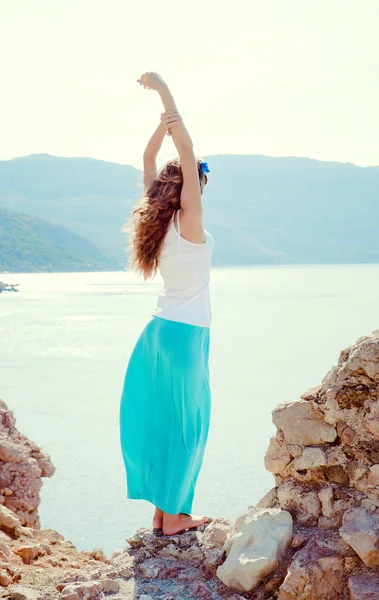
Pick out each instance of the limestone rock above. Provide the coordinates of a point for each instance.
(110, 585)
(326, 498)
(269, 500)
(23, 465)
(345, 433)
(216, 533)
(311, 458)
(254, 547)
(8, 520)
(364, 587)
(303, 423)
(360, 531)
(316, 573)
(28, 553)
(372, 425)
(277, 456)
(5, 578)
(303, 504)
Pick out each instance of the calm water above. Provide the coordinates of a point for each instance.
(64, 345)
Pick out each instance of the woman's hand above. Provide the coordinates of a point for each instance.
(169, 119)
(152, 81)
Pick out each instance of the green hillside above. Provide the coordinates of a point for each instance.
(30, 244)
(259, 209)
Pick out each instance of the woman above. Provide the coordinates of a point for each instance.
(166, 401)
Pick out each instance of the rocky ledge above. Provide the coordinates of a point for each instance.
(314, 536)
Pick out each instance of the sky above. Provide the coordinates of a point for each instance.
(274, 77)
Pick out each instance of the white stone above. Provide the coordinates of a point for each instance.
(254, 547)
(326, 497)
(311, 458)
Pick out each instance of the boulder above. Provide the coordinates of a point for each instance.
(360, 530)
(277, 456)
(254, 547)
(303, 424)
(316, 573)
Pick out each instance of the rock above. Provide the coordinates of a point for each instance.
(355, 470)
(4, 550)
(11, 453)
(216, 533)
(269, 500)
(110, 585)
(295, 450)
(345, 433)
(24, 592)
(8, 520)
(277, 456)
(304, 505)
(70, 592)
(372, 425)
(329, 522)
(23, 465)
(303, 424)
(157, 567)
(311, 458)
(28, 553)
(254, 547)
(298, 541)
(360, 531)
(5, 579)
(124, 565)
(312, 393)
(145, 597)
(314, 574)
(364, 587)
(326, 497)
(87, 590)
(200, 590)
(337, 474)
(98, 554)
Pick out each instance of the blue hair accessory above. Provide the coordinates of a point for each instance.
(204, 168)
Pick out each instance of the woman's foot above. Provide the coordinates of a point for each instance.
(158, 519)
(173, 524)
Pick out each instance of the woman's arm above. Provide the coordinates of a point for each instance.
(191, 219)
(150, 155)
(190, 199)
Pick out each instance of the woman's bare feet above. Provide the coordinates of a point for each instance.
(173, 524)
(158, 519)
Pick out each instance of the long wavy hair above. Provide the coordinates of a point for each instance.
(152, 217)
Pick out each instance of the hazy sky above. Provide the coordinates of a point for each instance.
(276, 77)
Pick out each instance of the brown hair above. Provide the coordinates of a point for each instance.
(153, 214)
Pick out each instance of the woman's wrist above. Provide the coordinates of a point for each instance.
(162, 87)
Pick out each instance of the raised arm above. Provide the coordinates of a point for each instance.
(150, 155)
(190, 199)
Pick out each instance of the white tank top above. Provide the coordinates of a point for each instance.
(185, 269)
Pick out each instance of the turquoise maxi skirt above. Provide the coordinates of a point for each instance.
(165, 414)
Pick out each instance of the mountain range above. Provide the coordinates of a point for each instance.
(259, 209)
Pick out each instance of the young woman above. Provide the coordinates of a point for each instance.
(166, 401)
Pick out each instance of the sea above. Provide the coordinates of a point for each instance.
(65, 340)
